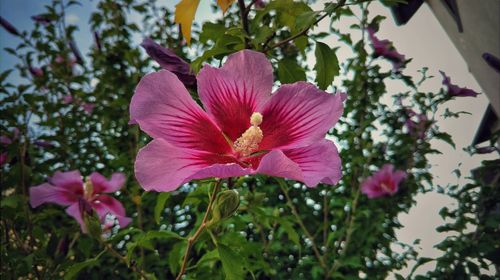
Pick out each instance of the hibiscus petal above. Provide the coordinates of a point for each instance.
(164, 109)
(105, 204)
(160, 166)
(68, 179)
(319, 162)
(232, 93)
(276, 163)
(314, 164)
(74, 211)
(298, 115)
(47, 193)
(102, 185)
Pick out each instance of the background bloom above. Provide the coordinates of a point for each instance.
(386, 49)
(88, 107)
(244, 130)
(383, 182)
(455, 90)
(67, 189)
(416, 123)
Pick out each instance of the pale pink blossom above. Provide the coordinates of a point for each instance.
(68, 189)
(67, 99)
(244, 129)
(383, 182)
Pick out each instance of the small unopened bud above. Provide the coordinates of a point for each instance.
(9, 27)
(226, 204)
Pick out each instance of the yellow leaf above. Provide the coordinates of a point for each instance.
(224, 4)
(184, 15)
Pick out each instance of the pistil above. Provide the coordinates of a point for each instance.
(249, 141)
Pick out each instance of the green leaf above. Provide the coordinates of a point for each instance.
(446, 138)
(74, 269)
(289, 71)
(288, 227)
(305, 20)
(211, 31)
(232, 263)
(327, 65)
(160, 205)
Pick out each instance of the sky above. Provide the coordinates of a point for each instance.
(422, 39)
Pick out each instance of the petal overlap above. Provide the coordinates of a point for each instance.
(161, 166)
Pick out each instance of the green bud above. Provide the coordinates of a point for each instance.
(226, 203)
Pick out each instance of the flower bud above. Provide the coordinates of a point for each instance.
(225, 205)
(9, 27)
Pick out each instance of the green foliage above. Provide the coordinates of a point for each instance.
(327, 65)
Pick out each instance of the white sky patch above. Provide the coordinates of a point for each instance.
(72, 19)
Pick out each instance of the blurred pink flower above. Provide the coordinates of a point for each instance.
(383, 182)
(67, 189)
(5, 140)
(88, 107)
(386, 49)
(35, 71)
(67, 99)
(3, 158)
(60, 59)
(455, 90)
(244, 130)
(259, 4)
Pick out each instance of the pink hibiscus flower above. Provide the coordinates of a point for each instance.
(67, 189)
(244, 130)
(455, 90)
(383, 182)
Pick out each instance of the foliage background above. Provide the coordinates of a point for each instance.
(264, 239)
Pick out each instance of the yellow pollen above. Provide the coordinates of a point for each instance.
(88, 189)
(250, 139)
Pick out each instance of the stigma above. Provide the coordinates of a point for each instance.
(249, 141)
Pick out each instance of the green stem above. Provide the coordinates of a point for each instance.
(199, 231)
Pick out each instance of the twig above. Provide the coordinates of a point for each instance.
(305, 30)
(244, 21)
(301, 224)
(198, 232)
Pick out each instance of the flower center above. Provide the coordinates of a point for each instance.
(250, 139)
(88, 189)
(386, 187)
